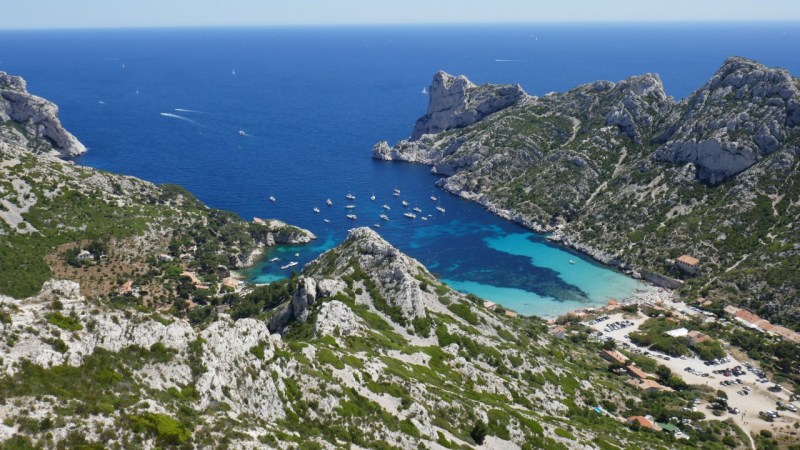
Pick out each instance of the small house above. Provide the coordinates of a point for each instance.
(688, 264)
(613, 356)
(637, 372)
(644, 422)
(85, 255)
(163, 257)
(558, 332)
(696, 337)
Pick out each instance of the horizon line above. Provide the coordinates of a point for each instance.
(410, 24)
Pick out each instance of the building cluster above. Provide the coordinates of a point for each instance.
(752, 320)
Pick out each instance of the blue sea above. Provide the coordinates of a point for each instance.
(239, 115)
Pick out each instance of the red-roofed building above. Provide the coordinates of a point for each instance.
(696, 337)
(559, 332)
(613, 356)
(747, 316)
(644, 422)
(637, 372)
(687, 263)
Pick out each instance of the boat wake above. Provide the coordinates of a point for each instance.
(189, 111)
(508, 60)
(175, 116)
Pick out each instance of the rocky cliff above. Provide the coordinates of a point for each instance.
(634, 178)
(34, 120)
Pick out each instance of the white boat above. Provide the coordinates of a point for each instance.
(424, 91)
(274, 259)
(272, 198)
(571, 261)
(434, 198)
(377, 225)
(291, 264)
(417, 209)
(410, 215)
(350, 197)
(352, 216)
(329, 202)
(372, 197)
(242, 133)
(396, 192)
(424, 218)
(350, 206)
(440, 209)
(384, 217)
(386, 207)
(316, 210)
(326, 220)
(405, 203)
(233, 71)
(297, 255)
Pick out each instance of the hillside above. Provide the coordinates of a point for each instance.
(634, 178)
(374, 352)
(120, 328)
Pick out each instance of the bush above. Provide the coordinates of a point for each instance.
(65, 323)
(465, 312)
(479, 431)
(166, 429)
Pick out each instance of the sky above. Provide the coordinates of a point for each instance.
(36, 14)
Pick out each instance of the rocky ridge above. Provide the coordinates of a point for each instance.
(345, 370)
(626, 174)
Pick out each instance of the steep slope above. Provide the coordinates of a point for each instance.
(376, 354)
(32, 121)
(630, 176)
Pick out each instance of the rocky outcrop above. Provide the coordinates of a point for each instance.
(740, 115)
(336, 318)
(455, 102)
(37, 119)
(393, 272)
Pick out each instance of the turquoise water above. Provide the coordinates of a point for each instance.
(313, 101)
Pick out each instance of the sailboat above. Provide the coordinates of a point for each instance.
(350, 196)
(233, 71)
(272, 198)
(440, 209)
(372, 197)
(384, 217)
(316, 210)
(329, 202)
(396, 192)
(352, 216)
(424, 91)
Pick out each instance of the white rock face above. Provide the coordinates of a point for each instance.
(722, 144)
(336, 318)
(456, 102)
(227, 358)
(38, 116)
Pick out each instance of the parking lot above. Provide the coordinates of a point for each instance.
(747, 387)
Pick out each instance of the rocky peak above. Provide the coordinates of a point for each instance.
(455, 102)
(742, 114)
(41, 129)
(639, 97)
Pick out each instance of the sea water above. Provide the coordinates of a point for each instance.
(239, 115)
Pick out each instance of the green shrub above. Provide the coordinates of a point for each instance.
(166, 430)
(464, 311)
(68, 323)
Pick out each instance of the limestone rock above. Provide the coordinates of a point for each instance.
(336, 318)
(456, 102)
(37, 116)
